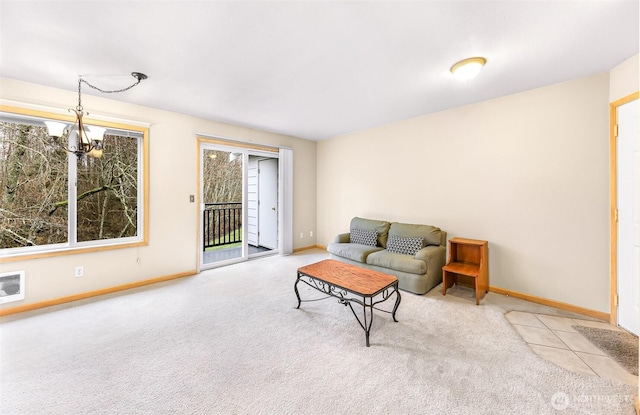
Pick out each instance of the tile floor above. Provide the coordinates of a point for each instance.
(553, 338)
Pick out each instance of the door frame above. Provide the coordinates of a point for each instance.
(613, 203)
(285, 192)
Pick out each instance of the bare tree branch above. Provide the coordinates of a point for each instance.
(18, 238)
(80, 197)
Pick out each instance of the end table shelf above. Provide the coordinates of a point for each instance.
(468, 257)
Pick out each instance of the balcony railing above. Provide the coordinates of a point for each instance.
(222, 223)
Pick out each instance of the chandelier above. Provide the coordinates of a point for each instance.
(83, 140)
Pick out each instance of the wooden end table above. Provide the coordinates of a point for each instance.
(350, 284)
(468, 257)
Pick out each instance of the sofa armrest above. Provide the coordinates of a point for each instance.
(342, 238)
(434, 256)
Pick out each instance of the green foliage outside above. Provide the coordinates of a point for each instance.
(237, 235)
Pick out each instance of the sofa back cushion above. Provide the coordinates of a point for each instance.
(381, 227)
(431, 234)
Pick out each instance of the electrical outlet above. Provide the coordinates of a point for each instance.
(192, 198)
(311, 234)
(79, 271)
(301, 235)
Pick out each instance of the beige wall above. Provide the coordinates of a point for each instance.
(173, 230)
(624, 79)
(527, 172)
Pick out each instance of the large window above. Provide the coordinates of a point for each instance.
(52, 200)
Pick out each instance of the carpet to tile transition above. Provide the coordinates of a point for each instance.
(620, 345)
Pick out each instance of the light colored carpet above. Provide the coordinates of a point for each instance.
(230, 341)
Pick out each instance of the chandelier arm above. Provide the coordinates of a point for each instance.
(84, 143)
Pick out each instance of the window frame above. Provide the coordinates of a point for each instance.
(74, 247)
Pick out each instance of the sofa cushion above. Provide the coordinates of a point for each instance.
(430, 234)
(398, 262)
(379, 226)
(363, 237)
(354, 252)
(407, 246)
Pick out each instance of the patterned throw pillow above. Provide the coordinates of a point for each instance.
(408, 246)
(363, 237)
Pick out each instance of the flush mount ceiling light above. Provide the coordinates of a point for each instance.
(82, 139)
(467, 68)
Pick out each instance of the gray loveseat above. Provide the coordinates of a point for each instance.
(415, 254)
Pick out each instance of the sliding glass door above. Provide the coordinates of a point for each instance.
(221, 205)
(239, 204)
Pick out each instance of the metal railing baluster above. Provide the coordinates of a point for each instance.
(220, 223)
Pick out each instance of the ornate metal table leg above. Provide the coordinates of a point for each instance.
(367, 327)
(295, 288)
(395, 307)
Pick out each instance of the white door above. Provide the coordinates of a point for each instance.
(252, 202)
(628, 272)
(268, 203)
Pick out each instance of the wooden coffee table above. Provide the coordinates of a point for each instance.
(350, 284)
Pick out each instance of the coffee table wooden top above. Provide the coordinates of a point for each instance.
(355, 279)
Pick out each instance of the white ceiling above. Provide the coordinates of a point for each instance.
(312, 69)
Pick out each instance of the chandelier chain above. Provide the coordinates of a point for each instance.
(107, 91)
(139, 77)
